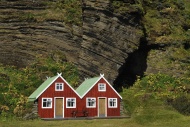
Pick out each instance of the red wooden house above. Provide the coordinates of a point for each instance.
(95, 97)
(99, 98)
(55, 98)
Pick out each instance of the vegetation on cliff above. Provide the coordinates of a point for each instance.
(70, 10)
(18, 83)
(165, 22)
(67, 11)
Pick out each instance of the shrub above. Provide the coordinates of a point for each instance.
(152, 89)
(182, 105)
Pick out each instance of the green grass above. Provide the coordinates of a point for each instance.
(165, 121)
(160, 116)
(69, 123)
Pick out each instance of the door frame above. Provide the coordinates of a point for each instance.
(105, 106)
(55, 105)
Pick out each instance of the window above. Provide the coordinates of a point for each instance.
(58, 86)
(46, 102)
(112, 102)
(71, 102)
(101, 87)
(90, 102)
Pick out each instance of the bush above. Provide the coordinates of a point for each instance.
(182, 105)
(154, 88)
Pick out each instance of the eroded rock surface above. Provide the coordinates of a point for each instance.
(101, 45)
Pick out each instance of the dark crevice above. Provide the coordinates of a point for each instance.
(187, 45)
(135, 65)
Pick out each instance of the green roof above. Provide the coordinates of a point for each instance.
(86, 85)
(41, 88)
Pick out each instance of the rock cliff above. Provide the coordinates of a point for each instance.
(100, 45)
(116, 44)
(108, 39)
(22, 37)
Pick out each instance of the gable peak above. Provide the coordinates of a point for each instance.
(101, 75)
(59, 74)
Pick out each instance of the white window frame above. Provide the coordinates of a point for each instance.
(112, 106)
(90, 99)
(47, 100)
(67, 99)
(60, 84)
(100, 87)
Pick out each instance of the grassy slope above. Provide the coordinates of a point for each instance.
(160, 116)
(181, 121)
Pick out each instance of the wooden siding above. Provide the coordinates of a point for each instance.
(109, 93)
(51, 93)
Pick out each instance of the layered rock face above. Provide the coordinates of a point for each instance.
(101, 45)
(22, 38)
(108, 39)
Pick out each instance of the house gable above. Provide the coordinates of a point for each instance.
(100, 103)
(88, 84)
(45, 85)
(70, 86)
(112, 88)
(63, 97)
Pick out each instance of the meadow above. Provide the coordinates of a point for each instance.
(128, 122)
